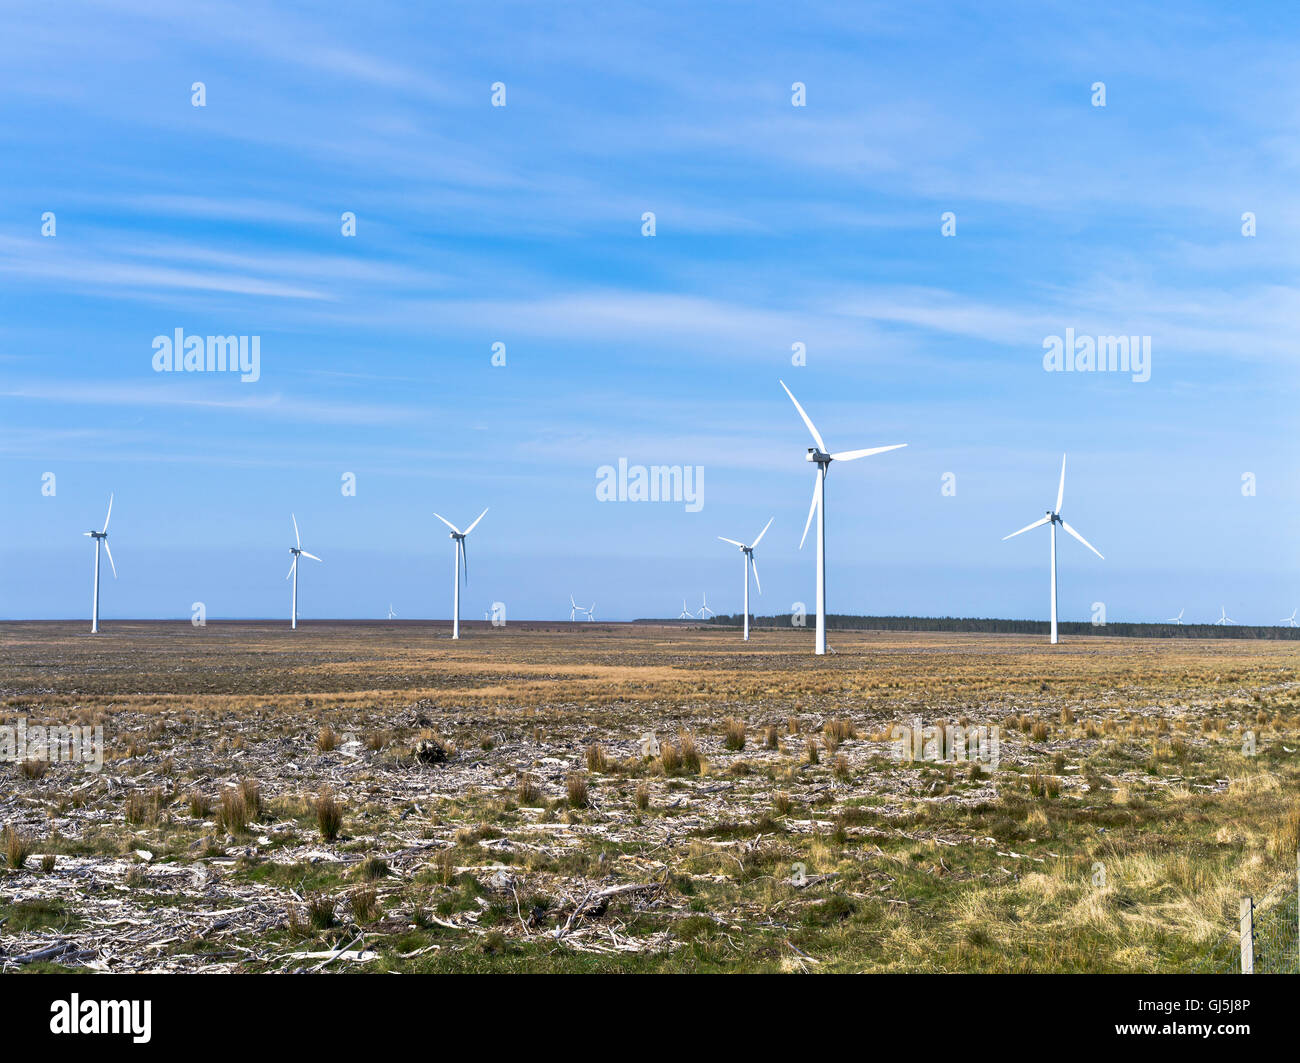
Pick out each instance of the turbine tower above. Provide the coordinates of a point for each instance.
(1177, 619)
(1223, 620)
(705, 611)
(1290, 621)
(1054, 518)
(297, 552)
(748, 553)
(100, 537)
(819, 455)
(462, 564)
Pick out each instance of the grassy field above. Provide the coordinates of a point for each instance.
(269, 796)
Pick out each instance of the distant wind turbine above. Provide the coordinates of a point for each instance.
(823, 460)
(391, 614)
(100, 537)
(1290, 621)
(685, 614)
(748, 554)
(1223, 618)
(297, 552)
(575, 609)
(1177, 619)
(705, 612)
(1054, 518)
(462, 564)
(591, 612)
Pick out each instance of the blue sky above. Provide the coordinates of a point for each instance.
(522, 225)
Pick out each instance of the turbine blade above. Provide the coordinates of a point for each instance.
(464, 559)
(754, 565)
(732, 541)
(816, 499)
(1060, 491)
(1082, 539)
(110, 556)
(476, 520)
(1028, 527)
(853, 455)
(296, 536)
(293, 564)
(110, 512)
(312, 556)
(448, 523)
(821, 445)
(763, 532)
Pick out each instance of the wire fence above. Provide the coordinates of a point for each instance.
(1266, 939)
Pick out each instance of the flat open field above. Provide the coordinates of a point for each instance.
(262, 802)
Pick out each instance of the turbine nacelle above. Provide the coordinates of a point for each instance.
(819, 456)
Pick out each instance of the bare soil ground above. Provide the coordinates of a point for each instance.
(377, 797)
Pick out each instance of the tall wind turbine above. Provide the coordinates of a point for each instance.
(1290, 621)
(591, 612)
(823, 460)
(1177, 619)
(297, 552)
(685, 614)
(391, 615)
(748, 553)
(462, 564)
(575, 609)
(1223, 618)
(705, 612)
(1054, 518)
(100, 537)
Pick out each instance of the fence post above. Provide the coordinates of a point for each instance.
(1247, 936)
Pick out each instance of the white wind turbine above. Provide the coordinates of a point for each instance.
(575, 609)
(685, 614)
(1290, 621)
(100, 537)
(705, 612)
(1177, 619)
(297, 552)
(748, 552)
(823, 460)
(1223, 618)
(462, 564)
(1054, 518)
(391, 615)
(591, 612)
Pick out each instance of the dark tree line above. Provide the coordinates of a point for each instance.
(993, 626)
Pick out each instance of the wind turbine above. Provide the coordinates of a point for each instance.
(1177, 619)
(748, 552)
(686, 614)
(705, 611)
(391, 614)
(100, 537)
(297, 552)
(461, 558)
(823, 460)
(1223, 618)
(575, 609)
(1054, 518)
(591, 612)
(1290, 621)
